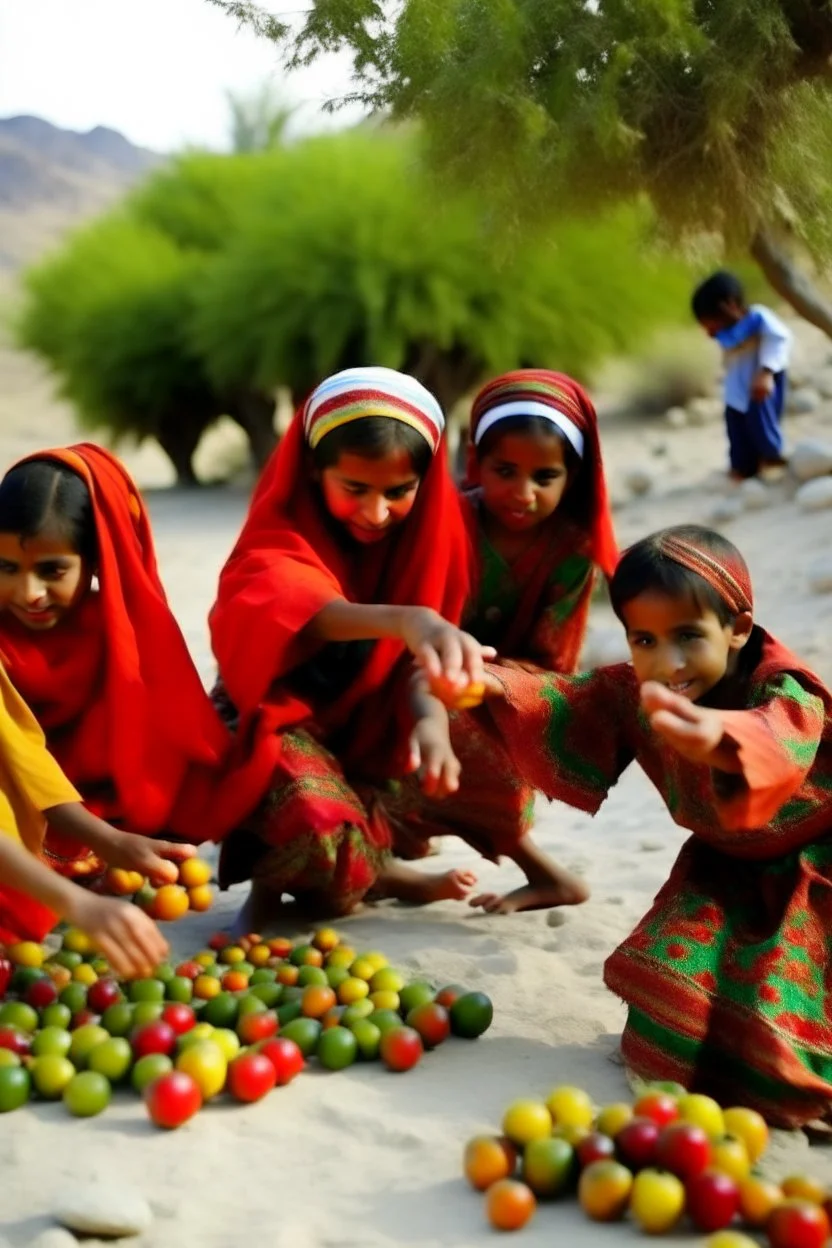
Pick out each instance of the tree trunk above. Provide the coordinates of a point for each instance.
(254, 413)
(792, 285)
(179, 438)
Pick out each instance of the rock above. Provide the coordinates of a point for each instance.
(676, 417)
(658, 450)
(703, 411)
(103, 1209)
(823, 381)
(802, 402)
(726, 510)
(811, 458)
(820, 576)
(639, 481)
(754, 495)
(55, 1237)
(815, 495)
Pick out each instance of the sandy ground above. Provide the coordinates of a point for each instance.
(363, 1159)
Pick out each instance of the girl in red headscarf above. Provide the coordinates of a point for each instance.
(352, 560)
(540, 522)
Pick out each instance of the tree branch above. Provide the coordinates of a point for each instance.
(794, 286)
(247, 13)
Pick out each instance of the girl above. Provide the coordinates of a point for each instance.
(32, 790)
(541, 524)
(90, 643)
(354, 553)
(728, 977)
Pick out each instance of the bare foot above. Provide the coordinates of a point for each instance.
(568, 890)
(419, 888)
(262, 907)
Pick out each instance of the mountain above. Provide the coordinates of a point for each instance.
(52, 179)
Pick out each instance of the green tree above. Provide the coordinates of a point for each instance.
(258, 120)
(717, 110)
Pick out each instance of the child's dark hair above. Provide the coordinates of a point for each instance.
(710, 296)
(42, 496)
(373, 437)
(645, 568)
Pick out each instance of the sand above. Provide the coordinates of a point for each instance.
(366, 1159)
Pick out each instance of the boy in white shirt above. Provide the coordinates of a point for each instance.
(756, 346)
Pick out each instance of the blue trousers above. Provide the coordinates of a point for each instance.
(755, 436)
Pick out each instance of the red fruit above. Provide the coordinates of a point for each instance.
(83, 1017)
(40, 993)
(446, 996)
(219, 941)
(684, 1150)
(172, 1099)
(252, 1028)
(102, 994)
(713, 1200)
(401, 1048)
(637, 1142)
(662, 1108)
(189, 969)
(432, 1021)
(178, 1016)
(156, 1037)
(286, 1058)
(6, 972)
(594, 1147)
(18, 1041)
(251, 1076)
(797, 1224)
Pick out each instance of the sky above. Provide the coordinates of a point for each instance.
(157, 70)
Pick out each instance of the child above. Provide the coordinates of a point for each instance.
(90, 643)
(756, 346)
(353, 554)
(32, 790)
(728, 976)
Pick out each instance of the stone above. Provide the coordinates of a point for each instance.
(106, 1209)
(676, 417)
(811, 458)
(815, 495)
(823, 381)
(702, 411)
(55, 1237)
(754, 495)
(639, 481)
(820, 575)
(802, 402)
(726, 510)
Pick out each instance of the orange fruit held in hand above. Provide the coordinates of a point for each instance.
(170, 902)
(201, 898)
(193, 872)
(487, 1159)
(457, 699)
(123, 883)
(509, 1204)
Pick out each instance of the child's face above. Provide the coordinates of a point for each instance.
(523, 478)
(40, 580)
(731, 311)
(680, 644)
(370, 496)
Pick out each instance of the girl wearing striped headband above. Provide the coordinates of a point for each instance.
(728, 977)
(540, 524)
(353, 559)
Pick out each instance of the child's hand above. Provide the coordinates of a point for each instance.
(433, 759)
(130, 941)
(695, 732)
(444, 650)
(155, 859)
(762, 385)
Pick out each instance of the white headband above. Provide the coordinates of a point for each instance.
(525, 407)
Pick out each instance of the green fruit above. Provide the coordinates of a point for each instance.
(118, 1019)
(54, 1041)
(335, 975)
(245, 968)
(358, 1010)
(179, 988)
(299, 954)
(419, 992)
(84, 1040)
(305, 1032)
(549, 1166)
(8, 1058)
(24, 976)
(146, 990)
(385, 1020)
(471, 1015)
(112, 1058)
(50, 1075)
(15, 1086)
(149, 1068)
(292, 992)
(74, 997)
(165, 972)
(87, 1094)
(215, 972)
(250, 1004)
(56, 1015)
(222, 1010)
(20, 1015)
(368, 1038)
(101, 966)
(65, 957)
(146, 1012)
(337, 1048)
(388, 979)
(288, 1012)
(263, 975)
(270, 994)
(311, 975)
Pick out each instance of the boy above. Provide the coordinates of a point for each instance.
(756, 346)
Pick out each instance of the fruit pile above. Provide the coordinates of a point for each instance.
(671, 1154)
(192, 891)
(238, 1017)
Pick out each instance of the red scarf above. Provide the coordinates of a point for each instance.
(290, 560)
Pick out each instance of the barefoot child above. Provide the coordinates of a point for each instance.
(728, 976)
(33, 790)
(541, 525)
(353, 551)
(756, 346)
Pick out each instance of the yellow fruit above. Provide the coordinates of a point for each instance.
(201, 899)
(352, 990)
(731, 1157)
(206, 987)
(750, 1127)
(228, 1041)
(362, 968)
(377, 960)
(205, 957)
(613, 1117)
(231, 954)
(703, 1112)
(570, 1107)
(525, 1121)
(28, 953)
(386, 980)
(193, 872)
(342, 956)
(206, 1063)
(77, 941)
(259, 955)
(170, 903)
(84, 974)
(385, 1000)
(326, 939)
